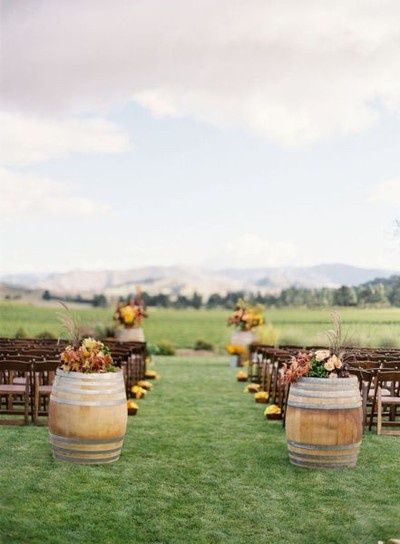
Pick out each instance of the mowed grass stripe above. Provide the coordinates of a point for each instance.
(200, 465)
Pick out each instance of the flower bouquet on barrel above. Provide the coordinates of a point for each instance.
(245, 319)
(87, 410)
(324, 407)
(129, 316)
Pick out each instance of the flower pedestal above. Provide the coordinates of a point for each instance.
(324, 422)
(130, 334)
(243, 339)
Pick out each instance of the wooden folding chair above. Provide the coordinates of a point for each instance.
(43, 378)
(390, 381)
(11, 391)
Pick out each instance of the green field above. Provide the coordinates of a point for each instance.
(366, 327)
(200, 465)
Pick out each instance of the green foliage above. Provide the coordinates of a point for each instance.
(45, 335)
(165, 347)
(201, 452)
(267, 334)
(20, 333)
(203, 345)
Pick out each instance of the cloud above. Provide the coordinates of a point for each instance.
(25, 195)
(387, 192)
(26, 139)
(293, 71)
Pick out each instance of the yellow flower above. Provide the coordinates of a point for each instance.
(132, 405)
(138, 391)
(241, 375)
(261, 395)
(151, 375)
(128, 314)
(252, 388)
(145, 385)
(273, 409)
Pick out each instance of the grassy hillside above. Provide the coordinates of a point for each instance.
(365, 326)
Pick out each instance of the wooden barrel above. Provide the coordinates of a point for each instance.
(87, 416)
(324, 422)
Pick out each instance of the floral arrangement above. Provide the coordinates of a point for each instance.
(132, 407)
(322, 363)
(132, 312)
(246, 317)
(272, 410)
(252, 388)
(144, 384)
(90, 356)
(235, 349)
(261, 397)
(151, 375)
(241, 376)
(138, 392)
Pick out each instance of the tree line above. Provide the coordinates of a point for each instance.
(379, 292)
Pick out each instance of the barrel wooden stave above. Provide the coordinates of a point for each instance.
(87, 417)
(324, 423)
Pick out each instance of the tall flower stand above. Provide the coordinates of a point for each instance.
(244, 339)
(130, 334)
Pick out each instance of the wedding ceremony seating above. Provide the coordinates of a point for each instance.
(27, 372)
(377, 370)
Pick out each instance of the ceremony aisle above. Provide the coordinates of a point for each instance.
(200, 465)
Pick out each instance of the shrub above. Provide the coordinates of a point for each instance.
(45, 335)
(165, 347)
(203, 345)
(20, 333)
(104, 331)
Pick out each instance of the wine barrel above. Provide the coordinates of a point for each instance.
(87, 416)
(324, 422)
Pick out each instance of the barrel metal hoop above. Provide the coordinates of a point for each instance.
(348, 406)
(325, 394)
(75, 440)
(95, 376)
(88, 391)
(299, 463)
(309, 456)
(86, 461)
(323, 446)
(99, 403)
(57, 449)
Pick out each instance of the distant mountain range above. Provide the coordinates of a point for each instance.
(180, 280)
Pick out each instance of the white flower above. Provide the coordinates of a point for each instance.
(329, 365)
(322, 354)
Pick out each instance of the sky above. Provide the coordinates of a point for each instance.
(193, 132)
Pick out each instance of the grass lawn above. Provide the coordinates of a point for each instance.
(200, 465)
(366, 327)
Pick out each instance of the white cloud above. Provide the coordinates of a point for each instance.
(28, 139)
(387, 192)
(25, 195)
(294, 71)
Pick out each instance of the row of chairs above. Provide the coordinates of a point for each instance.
(27, 371)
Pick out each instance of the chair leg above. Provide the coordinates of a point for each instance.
(379, 422)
